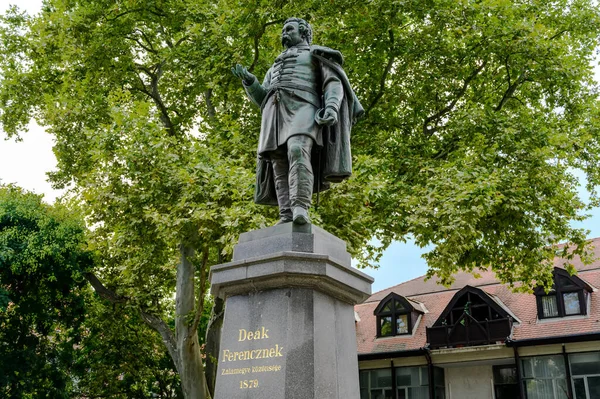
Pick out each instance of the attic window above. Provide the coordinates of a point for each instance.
(472, 317)
(567, 297)
(395, 316)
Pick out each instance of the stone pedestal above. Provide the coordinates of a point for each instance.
(288, 331)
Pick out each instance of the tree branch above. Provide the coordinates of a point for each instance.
(429, 131)
(155, 95)
(144, 69)
(209, 105)
(559, 33)
(384, 76)
(104, 292)
(148, 49)
(153, 321)
(178, 42)
(386, 71)
(511, 90)
(166, 334)
(124, 13)
(257, 38)
(507, 70)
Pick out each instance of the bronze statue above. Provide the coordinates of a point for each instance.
(308, 109)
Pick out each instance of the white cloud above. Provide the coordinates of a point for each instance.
(26, 162)
(31, 6)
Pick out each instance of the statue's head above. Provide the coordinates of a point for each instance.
(295, 31)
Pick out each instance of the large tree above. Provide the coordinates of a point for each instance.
(57, 339)
(478, 115)
(42, 290)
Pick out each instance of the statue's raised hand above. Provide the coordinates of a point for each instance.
(242, 72)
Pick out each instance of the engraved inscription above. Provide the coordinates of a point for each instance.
(249, 335)
(229, 356)
(248, 384)
(273, 351)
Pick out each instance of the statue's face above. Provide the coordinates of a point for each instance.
(290, 35)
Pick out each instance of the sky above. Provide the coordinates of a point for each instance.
(26, 163)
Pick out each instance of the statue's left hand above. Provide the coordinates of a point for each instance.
(329, 118)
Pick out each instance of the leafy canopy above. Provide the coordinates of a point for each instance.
(42, 295)
(478, 114)
(53, 330)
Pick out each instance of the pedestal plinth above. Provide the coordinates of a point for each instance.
(288, 331)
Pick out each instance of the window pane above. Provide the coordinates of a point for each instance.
(539, 389)
(510, 391)
(571, 300)
(418, 393)
(381, 394)
(440, 393)
(424, 376)
(527, 367)
(387, 307)
(402, 324)
(585, 363)
(438, 376)
(565, 282)
(381, 378)
(579, 388)
(404, 377)
(549, 307)
(594, 386)
(544, 367)
(386, 325)
(399, 306)
(407, 376)
(553, 366)
(562, 392)
(505, 375)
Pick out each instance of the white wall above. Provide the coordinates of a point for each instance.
(469, 382)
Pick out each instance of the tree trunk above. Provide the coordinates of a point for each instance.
(191, 372)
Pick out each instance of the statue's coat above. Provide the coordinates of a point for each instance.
(331, 158)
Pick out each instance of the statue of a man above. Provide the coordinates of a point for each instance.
(308, 109)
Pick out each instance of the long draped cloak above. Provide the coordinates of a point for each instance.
(288, 111)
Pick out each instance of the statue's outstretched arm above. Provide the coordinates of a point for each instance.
(255, 91)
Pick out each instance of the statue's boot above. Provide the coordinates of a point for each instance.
(280, 174)
(300, 178)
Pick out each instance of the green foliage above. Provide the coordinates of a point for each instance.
(478, 115)
(121, 358)
(478, 112)
(42, 290)
(57, 339)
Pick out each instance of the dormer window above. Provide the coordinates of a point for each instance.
(395, 316)
(567, 297)
(473, 317)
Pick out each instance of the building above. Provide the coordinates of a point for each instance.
(479, 340)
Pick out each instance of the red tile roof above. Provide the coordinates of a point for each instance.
(435, 298)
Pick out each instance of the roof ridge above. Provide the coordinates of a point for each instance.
(394, 286)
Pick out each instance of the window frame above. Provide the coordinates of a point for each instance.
(584, 377)
(500, 384)
(554, 380)
(394, 314)
(576, 285)
(366, 378)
